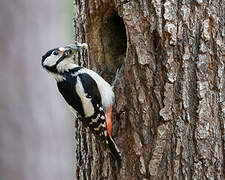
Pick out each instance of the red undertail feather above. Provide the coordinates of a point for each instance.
(109, 121)
(114, 150)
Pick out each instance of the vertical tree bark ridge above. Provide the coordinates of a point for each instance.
(169, 115)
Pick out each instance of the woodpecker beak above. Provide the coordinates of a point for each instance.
(62, 49)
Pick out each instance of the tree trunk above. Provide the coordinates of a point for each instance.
(169, 112)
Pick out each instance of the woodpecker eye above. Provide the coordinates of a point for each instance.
(55, 53)
(68, 52)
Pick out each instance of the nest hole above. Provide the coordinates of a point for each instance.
(114, 41)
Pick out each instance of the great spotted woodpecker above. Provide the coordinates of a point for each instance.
(88, 95)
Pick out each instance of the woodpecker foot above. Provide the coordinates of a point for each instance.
(100, 72)
(118, 71)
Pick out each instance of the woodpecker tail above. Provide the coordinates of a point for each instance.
(114, 152)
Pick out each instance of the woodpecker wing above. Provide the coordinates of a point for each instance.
(66, 88)
(90, 89)
(89, 94)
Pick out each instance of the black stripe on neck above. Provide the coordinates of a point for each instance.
(54, 68)
(51, 69)
(76, 69)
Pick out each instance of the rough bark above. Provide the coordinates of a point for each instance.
(169, 112)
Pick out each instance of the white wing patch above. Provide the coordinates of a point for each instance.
(104, 88)
(86, 102)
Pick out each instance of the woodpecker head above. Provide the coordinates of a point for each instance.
(59, 60)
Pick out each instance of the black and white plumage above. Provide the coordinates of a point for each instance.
(88, 95)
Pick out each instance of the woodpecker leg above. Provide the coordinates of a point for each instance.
(109, 121)
(100, 72)
(118, 71)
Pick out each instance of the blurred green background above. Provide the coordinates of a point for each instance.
(36, 127)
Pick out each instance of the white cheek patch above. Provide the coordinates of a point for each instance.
(50, 61)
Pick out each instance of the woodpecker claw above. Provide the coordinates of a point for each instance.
(100, 72)
(118, 71)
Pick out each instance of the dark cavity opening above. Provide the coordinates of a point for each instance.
(114, 41)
